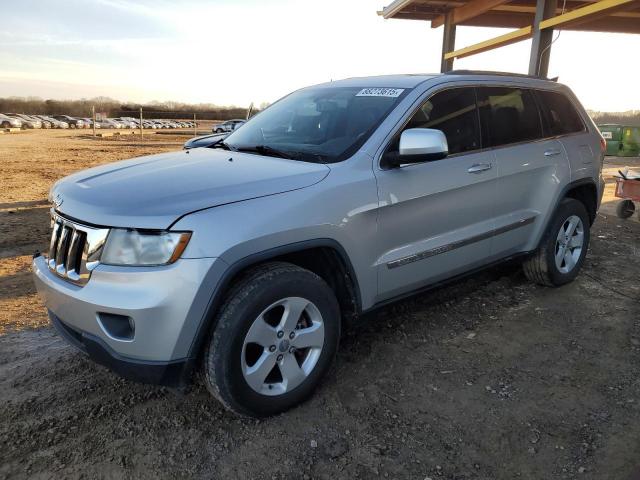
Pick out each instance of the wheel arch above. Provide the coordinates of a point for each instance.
(586, 192)
(326, 257)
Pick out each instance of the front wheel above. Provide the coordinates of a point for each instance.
(275, 338)
(563, 248)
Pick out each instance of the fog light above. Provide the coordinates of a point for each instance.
(118, 327)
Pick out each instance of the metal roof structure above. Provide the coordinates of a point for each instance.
(535, 19)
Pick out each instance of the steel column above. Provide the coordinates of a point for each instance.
(448, 43)
(541, 45)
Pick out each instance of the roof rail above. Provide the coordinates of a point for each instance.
(498, 74)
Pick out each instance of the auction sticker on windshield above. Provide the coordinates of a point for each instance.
(380, 92)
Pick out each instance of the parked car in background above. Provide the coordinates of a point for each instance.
(125, 123)
(228, 126)
(204, 140)
(45, 123)
(89, 122)
(27, 121)
(9, 122)
(73, 122)
(54, 123)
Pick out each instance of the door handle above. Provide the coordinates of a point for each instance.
(552, 152)
(479, 167)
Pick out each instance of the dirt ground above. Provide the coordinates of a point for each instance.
(489, 378)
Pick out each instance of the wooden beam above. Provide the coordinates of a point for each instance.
(470, 10)
(585, 14)
(394, 7)
(506, 39)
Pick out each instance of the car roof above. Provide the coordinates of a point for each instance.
(412, 80)
(389, 81)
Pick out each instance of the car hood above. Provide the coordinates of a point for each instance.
(154, 191)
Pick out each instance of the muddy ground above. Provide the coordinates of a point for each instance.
(490, 378)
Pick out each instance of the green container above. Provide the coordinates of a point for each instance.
(630, 145)
(613, 135)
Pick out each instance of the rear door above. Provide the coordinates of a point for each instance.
(562, 120)
(436, 218)
(529, 166)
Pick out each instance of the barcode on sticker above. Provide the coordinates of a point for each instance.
(380, 92)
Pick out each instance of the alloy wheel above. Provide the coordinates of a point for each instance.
(569, 244)
(282, 346)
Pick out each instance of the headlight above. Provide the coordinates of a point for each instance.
(130, 247)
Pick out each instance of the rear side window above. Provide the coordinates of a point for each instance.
(559, 114)
(454, 113)
(508, 115)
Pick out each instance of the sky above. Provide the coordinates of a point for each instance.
(234, 52)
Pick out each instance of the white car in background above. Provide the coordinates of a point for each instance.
(228, 126)
(9, 122)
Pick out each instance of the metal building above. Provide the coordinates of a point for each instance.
(536, 19)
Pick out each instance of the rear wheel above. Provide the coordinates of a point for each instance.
(563, 248)
(275, 338)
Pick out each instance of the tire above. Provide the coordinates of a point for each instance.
(219, 130)
(625, 208)
(542, 267)
(232, 360)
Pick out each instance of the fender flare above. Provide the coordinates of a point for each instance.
(561, 196)
(216, 294)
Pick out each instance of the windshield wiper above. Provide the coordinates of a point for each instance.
(222, 144)
(266, 150)
(274, 152)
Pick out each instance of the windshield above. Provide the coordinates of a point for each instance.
(323, 124)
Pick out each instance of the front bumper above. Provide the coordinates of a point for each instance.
(170, 374)
(160, 301)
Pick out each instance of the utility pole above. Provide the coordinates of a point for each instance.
(195, 126)
(93, 114)
(140, 122)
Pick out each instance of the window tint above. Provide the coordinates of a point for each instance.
(507, 115)
(454, 113)
(559, 115)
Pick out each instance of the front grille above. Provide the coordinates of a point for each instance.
(75, 249)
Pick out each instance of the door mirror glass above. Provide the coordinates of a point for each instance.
(422, 145)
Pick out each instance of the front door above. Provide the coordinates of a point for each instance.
(436, 219)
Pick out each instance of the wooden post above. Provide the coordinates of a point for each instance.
(448, 43)
(141, 127)
(195, 126)
(542, 39)
(93, 114)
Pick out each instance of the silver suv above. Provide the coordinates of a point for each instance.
(246, 259)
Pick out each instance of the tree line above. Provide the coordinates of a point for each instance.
(631, 117)
(115, 108)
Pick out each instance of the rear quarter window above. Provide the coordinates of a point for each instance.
(559, 114)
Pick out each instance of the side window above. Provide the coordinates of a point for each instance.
(508, 115)
(454, 112)
(559, 114)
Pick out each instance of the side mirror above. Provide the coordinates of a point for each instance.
(420, 145)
